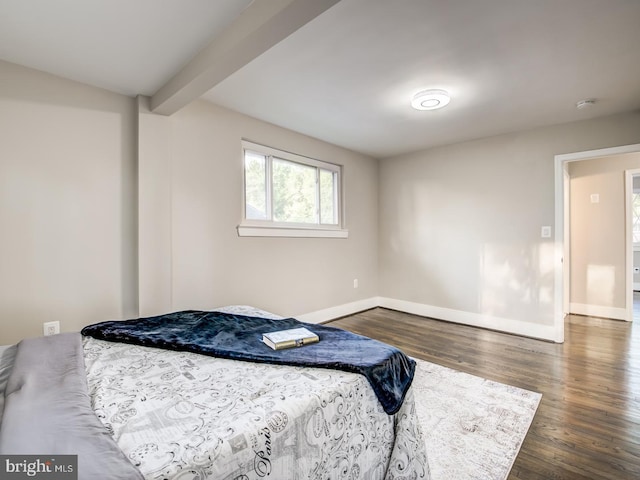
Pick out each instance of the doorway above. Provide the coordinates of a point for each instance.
(632, 197)
(562, 270)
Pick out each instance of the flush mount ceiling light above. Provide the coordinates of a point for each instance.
(430, 99)
(590, 102)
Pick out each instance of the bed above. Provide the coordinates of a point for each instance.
(182, 415)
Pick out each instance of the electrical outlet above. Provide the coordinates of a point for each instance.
(355, 283)
(51, 328)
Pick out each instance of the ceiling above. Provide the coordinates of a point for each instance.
(347, 76)
(126, 46)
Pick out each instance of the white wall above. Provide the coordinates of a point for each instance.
(211, 266)
(460, 225)
(154, 211)
(72, 219)
(452, 232)
(67, 187)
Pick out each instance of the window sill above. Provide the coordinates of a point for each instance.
(253, 231)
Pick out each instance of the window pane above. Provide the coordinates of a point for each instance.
(294, 192)
(328, 197)
(255, 193)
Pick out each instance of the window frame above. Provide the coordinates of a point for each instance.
(271, 228)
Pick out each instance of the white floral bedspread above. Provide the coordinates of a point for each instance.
(179, 415)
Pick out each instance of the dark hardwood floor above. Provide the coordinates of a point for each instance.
(588, 423)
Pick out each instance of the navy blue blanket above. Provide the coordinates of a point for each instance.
(239, 337)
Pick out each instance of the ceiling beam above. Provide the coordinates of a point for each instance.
(263, 24)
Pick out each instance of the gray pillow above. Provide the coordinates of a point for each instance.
(7, 356)
(48, 410)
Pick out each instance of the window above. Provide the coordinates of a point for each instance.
(289, 195)
(636, 218)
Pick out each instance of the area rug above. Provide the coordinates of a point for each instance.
(473, 427)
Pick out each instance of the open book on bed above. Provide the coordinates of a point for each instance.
(293, 337)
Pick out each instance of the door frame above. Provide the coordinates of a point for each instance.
(562, 270)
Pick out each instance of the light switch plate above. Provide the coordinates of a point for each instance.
(545, 232)
(51, 328)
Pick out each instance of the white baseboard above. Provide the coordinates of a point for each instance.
(598, 311)
(517, 327)
(332, 313)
